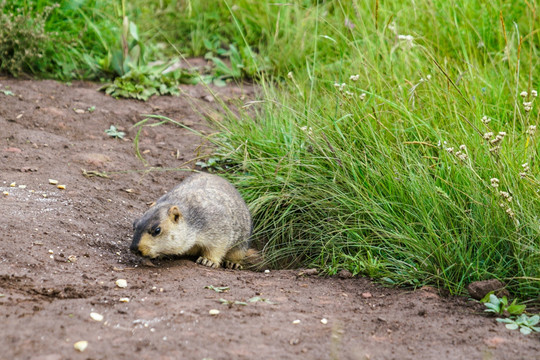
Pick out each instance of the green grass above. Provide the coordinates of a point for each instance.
(77, 35)
(371, 185)
(388, 175)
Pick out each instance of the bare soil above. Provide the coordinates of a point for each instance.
(63, 250)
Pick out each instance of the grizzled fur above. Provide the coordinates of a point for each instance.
(204, 215)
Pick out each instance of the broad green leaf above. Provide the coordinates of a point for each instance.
(512, 326)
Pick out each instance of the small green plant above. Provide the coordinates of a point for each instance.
(232, 302)
(22, 39)
(113, 132)
(218, 289)
(143, 82)
(525, 324)
(500, 306)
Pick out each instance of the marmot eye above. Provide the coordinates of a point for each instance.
(156, 231)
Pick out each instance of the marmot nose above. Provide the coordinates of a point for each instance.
(135, 249)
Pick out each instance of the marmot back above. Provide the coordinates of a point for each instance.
(204, 215)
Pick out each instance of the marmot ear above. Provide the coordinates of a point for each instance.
(174, 214)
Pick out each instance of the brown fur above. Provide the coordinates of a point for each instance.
(204, 215)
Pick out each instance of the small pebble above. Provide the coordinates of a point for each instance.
(296, 322)
(13, 184)
(80, 345)
(121, 283)
(5, 193)
(22, 186)
(124, 300)
(324, 321)
(266, 271)
(61, 187)
(53, 182)
(96, 316)
(214, 312)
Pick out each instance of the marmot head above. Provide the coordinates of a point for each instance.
(160, 231)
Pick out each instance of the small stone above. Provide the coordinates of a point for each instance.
(296, 322)
(13, 184)
(13, 150)
(95, 316)
(124, 300)
(308, 272)
(22, 186)
(79, 111)
(294, 341)
(53, 182)
(479, 289)
(345, 274)
(324, 321)
(266, 271)
(213, 312)
(121, 283)
(366, 295)
(80, 345)
(5, 193)
(61, 187)
(495, 341)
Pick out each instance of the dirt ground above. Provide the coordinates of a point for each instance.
(63, 250)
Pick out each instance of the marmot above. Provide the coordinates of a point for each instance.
(204, 215)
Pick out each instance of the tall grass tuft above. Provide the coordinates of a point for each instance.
(404, 147)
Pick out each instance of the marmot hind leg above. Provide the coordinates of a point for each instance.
(234, 258)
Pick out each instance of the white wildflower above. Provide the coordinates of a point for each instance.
(510, 212)
(495, 182)
(363, 96)
(485, 120)
(428, 77)
(506, 195)
(408, 39)
(463, 147)
(531, 130)
(354, 77)
(307, 130)
(450, 150)
(461, 156)
(290, 75)
(534, 93)
(488, 135)
(524, 94)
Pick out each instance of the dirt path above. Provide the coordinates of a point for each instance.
(63, 250)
